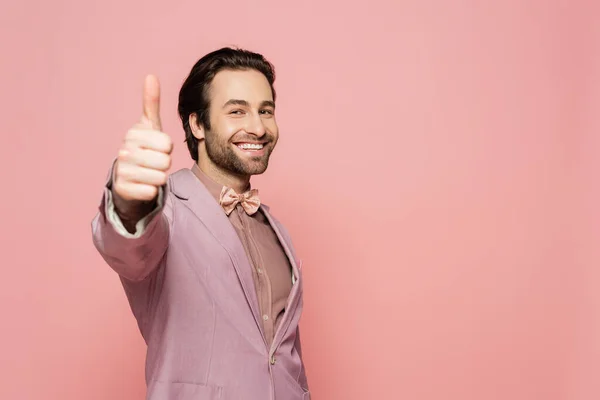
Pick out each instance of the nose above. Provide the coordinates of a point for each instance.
(256, 126)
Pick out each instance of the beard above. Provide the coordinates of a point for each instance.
(222, 154)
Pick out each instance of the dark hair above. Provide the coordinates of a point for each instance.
(194, 93)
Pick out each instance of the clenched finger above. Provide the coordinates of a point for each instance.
(134, 173)
(146, 158)
(151, 140)
(136, 191)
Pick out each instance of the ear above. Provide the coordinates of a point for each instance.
(197, 129)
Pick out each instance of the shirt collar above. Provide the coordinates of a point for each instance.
(213, 187)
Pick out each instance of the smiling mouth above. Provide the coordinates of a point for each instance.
(250, 146)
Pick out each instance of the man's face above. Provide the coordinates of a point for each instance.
(243, 130)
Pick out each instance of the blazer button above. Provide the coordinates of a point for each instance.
(273, 359)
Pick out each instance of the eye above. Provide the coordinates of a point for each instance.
(237, 112)
(267, 112)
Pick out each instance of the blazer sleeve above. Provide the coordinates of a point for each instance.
(132, 256)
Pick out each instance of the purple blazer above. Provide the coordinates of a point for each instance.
(189, 284)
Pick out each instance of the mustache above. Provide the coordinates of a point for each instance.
(266, 138)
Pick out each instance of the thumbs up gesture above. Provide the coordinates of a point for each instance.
(145, 155)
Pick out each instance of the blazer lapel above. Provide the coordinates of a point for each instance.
(296, 292)
(186, 186)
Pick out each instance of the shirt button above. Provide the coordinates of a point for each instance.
(273, 359)
(259, 271)
(265, 317)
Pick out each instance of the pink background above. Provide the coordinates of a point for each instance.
(438, 170)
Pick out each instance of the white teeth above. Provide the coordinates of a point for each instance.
(248, 146)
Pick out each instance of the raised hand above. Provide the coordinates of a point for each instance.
(145, 156)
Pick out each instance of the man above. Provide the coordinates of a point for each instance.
(211, 276)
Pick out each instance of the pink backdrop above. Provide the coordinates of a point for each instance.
(438, 170)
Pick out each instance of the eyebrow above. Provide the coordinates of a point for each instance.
(244, 103)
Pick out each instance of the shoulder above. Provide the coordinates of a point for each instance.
(181, 181)
(181, 176)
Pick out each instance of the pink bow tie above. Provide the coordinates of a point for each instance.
(249, 200)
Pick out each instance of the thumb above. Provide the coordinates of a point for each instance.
(152, 101)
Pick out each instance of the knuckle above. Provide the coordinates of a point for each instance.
(119, 172)
(124, 173)
(131, 134)
(124, 155)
